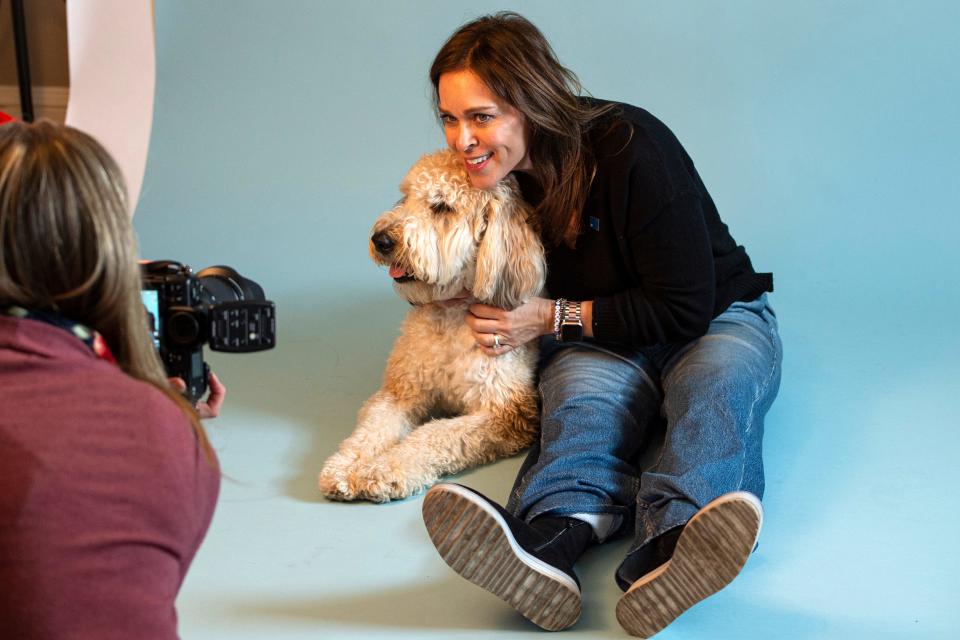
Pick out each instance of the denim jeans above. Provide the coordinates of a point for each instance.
(602, 405)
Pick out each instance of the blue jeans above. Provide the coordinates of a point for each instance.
(603, 404)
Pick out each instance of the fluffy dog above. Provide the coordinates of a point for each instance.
(445, 405)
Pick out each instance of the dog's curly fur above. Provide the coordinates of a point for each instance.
(444, 235)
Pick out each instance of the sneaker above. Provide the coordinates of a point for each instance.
(529, 566)
(711, 550)
(646, 559)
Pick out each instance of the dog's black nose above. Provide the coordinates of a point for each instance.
(382, 242)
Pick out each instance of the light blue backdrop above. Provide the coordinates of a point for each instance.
(828, 134)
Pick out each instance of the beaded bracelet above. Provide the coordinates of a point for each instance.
(557, 316)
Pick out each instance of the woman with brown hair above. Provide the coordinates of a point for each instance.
(109, 483)
(657, 324)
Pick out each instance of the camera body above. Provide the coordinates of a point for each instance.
(215, 306)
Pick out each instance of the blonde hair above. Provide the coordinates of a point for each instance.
(67, 244)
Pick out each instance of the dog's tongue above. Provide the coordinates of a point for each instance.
(396, 272)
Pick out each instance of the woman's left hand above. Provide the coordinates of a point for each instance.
(498, 331)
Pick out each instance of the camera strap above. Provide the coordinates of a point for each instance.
(85, 334)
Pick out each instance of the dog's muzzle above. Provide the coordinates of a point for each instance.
(384, 246)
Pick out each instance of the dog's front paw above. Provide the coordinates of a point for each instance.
(382, 481)
(334, 478)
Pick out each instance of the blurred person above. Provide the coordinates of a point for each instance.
(109, 483)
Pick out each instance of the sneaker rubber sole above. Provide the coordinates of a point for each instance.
(710, 553)
(475, 541)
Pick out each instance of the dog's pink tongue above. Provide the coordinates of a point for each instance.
(396, 272)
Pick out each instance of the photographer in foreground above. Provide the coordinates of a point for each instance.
(109, 483)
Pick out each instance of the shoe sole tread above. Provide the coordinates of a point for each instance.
(474, 544)
(712, 550)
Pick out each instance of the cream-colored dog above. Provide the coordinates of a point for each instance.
(445, 405)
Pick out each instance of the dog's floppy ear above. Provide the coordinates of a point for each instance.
(510, 263)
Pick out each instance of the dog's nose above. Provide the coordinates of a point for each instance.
(382, 242)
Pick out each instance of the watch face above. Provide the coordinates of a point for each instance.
(571, 332)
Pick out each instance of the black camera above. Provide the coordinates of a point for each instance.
(216, 306)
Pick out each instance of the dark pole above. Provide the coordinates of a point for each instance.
(23, 63)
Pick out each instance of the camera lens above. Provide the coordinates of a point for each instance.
(224, 284)
(183, 328)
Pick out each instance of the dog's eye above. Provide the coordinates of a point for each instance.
(440, 207)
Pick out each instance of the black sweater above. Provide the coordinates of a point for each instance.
(652, 253)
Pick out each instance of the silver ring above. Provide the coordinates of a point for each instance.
(496, 341)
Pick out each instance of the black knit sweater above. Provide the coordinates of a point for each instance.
(652, 253)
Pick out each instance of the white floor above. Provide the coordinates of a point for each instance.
(826, 133)
(856, 543)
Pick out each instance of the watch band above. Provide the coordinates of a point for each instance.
(568, 322)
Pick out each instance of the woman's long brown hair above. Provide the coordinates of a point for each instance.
(67, 244)
(516, 62)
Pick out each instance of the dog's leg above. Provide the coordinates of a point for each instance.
(382, 422)
(442, 447)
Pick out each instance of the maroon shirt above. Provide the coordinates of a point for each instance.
(105, 493)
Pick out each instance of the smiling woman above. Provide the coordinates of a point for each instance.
(636, 244)
(538, 98)
(488, 134)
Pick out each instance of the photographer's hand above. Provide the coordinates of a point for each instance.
(209, 408)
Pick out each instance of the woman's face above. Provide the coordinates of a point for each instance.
(488, 134)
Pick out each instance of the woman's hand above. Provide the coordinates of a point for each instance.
(209, 408)
(498, 331)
